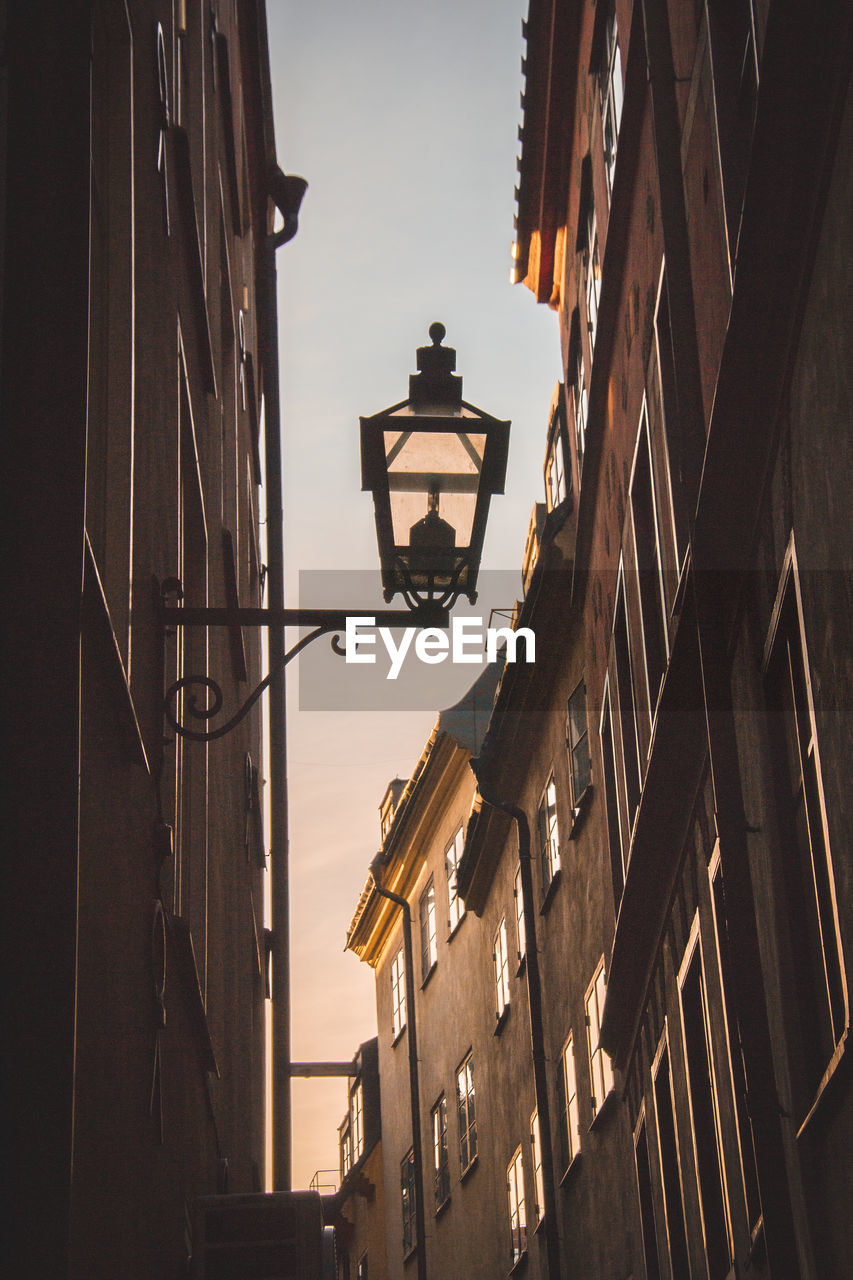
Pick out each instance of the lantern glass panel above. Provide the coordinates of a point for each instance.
(424, 463)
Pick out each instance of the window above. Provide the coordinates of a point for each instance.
(398, 993)
(345, 1148)
(361, 1270)
(549, 848)
(611, 796)
(440, 1160)
(556, 483)
(600, 1070)
(644, 1192)
(501, 972)
(581, 400)
(735, 69)
(538, 1176)
(577, 741)
(467, 1113)
(356, 1111)
(610, 91)
(567, 1087)
(451, 864)
(668, 1152)
(429, 953)
(704, 1111)
(626, 705)
(592, 273)
(407, 1193)
(520, 931)
(818, 997)
(667, 440)
(649, 564)
(517, 1213)
(736, 1065)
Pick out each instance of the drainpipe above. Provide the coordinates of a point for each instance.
(537, 1034)
(414, 1085)
(279, 840)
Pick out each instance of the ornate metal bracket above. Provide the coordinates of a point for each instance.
(321, 621)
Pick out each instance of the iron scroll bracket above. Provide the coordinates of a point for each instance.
(320, 621)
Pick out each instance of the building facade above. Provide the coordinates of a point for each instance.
(139, 350)
(646, 1011)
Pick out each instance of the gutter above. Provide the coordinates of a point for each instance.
(278, 188)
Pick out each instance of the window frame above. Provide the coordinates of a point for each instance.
(626, 703)
(645, 1195)
(743, 1124)
(408, 1203)
(500, 957)
(790, 700)
(611, 96)
(556, 470)
(669, 1160)
(538, 1173)
(580, 395)
(548, 834)
(428, 934)
(570, 1110)
(692, 968)
(600, 1066)
(610, 774)
(517, 1207)
(440, 1153)
(466, 1111)
(399, 1011)
(520, 926)
(578, 792)
(650, 576)
(356, 1112)
(591, 273)
(452, 856)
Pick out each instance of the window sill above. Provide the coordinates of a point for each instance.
(571, 1171)
(608, 1105)
(500, 1019)
(410, 1253)
(548, 896)
(453, 932)
(398, 1037)
(520, 1263)
(469, 1168)
(445, 1204)
(580, 810)
(430, 971)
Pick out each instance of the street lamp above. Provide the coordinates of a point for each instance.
(432, 462)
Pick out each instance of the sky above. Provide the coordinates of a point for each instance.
(403, 118)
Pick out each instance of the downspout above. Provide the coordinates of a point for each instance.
(779, 1228)
(537, 1034)
(277, 705)
(414, 1084)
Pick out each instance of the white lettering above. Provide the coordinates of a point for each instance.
(353, 640)
(495, 634)
(432, 645)
(394, 653)
(461, 639)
